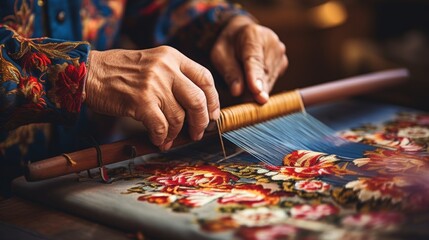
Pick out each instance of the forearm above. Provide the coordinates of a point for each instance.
(190, 26)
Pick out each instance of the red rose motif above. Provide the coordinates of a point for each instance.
(305, 158)
(302, 164)
(32, 90)
(69, 87)
(36, 60)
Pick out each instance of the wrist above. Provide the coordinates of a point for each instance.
(236, 23)
(90, 73)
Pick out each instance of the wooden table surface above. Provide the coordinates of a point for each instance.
(54, 224)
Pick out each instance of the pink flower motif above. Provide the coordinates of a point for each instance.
(312, 186)
(199, 176)
(374, 221)
(423, 119)
(35, 60)
(313, 212)
(273, 232)
(69, 87)
(263, 216)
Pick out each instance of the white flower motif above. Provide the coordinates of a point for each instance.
(414, 132)
(370, 188)
(198, 198)
(361, 161)
(262, 216)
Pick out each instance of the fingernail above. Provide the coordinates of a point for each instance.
(264, 95)
(215, 114)
(166, 146)
(235, 88)
(259, 85)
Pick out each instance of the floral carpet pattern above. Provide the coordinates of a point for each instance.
(312, 195)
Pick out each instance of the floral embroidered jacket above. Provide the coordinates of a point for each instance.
(44, 47)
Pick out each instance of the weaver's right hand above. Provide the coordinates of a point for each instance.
(158, 87)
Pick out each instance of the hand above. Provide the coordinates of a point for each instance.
(157, 87)
(249, 54)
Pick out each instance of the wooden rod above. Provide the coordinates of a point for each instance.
(116, 152)
(352, 86)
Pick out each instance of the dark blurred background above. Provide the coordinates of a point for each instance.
(333, 39)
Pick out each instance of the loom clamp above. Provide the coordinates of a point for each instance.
(102, 169)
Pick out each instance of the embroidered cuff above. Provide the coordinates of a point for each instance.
(41, 79)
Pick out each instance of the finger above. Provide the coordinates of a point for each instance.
(252, 55)
(278, 71)
(175, 116)
(203, 79)
(276, 62)
(194, 101)
(156, 124)
(225, 62)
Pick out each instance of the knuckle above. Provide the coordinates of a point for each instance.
(166, 54)
(285, 61)
(200, 124)
(199, 101)
(251, 46)
(205, 77)
(272, 34)
(164, 49)
(159, 130)
(176, 120)
(214, 104)
(282, 47)
(254, 59)
(252, 52)
(251, 29)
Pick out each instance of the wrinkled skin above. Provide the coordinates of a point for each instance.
(157, 87)
(161, 87)
(249, 56)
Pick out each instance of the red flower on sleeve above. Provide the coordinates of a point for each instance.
(69, 87)
(32, 90)
(35, 60)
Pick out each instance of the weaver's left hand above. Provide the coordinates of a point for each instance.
(248, 54)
